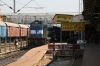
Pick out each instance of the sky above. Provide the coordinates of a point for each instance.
(49, 6)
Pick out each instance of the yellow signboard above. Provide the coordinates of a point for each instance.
(72, 26)
(62, 18)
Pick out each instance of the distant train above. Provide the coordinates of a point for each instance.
(38, 34)
(12, 30)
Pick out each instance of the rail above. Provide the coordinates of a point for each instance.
(9, 47)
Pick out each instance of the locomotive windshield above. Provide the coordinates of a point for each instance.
(36, 22)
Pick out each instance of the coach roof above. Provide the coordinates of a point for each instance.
(12, 24)
(23, 26)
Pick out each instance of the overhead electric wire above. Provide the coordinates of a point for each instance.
(28, 6)
(24, 6)
(39, 5)
(6, 4)
(20, 3)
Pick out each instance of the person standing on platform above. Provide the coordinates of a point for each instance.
(88, 36)
(96, 38)
(53, 38)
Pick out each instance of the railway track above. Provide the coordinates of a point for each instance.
(11, 57)
(31, 57)
(9, 47)
(6, 57)
(60, 60)
(47, 60)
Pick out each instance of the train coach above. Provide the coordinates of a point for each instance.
(2, 30)
(24, 31)
(12, 30)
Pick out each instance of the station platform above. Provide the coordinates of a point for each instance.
(91, 55)
(30, 58)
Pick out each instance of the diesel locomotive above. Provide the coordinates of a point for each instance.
(38, 34)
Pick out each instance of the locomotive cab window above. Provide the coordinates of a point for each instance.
(35, 22)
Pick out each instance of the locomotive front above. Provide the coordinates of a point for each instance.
(36, 29)
(37, 34)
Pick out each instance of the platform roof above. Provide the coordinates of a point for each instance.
(91, 9)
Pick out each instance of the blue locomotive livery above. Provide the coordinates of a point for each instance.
(36, 29)
(38, 34)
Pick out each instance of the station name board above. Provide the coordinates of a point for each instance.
(62, 18)
(72, 26)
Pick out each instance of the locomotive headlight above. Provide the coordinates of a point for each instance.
(33, 31)
(40, 32)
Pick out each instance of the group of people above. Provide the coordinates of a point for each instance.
(95, 36)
